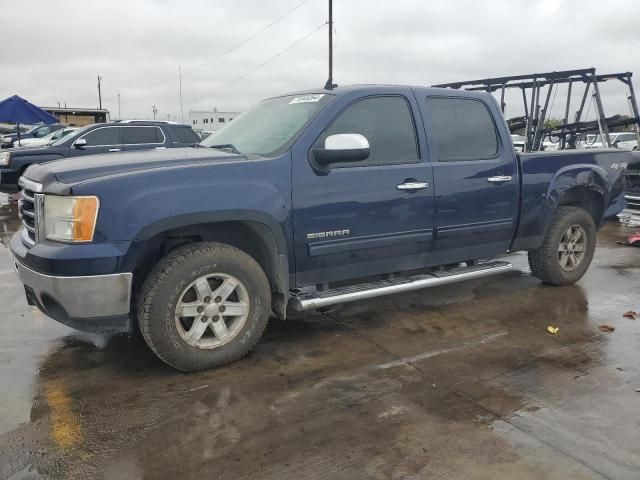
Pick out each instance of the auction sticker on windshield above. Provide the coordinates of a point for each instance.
(307, 98)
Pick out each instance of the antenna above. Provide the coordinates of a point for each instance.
(99, 93)
(330, 85)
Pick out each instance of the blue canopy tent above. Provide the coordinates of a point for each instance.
(17, 110)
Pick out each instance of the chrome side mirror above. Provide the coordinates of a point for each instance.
(81, 142)
(343, 147)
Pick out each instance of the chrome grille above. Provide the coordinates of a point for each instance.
(28, 210)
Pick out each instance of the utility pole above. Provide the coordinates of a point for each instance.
(119, 112)
(181, 109)
(154, 110)
(330, 85)
(99, 93)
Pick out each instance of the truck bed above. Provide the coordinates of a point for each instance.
(545, 176)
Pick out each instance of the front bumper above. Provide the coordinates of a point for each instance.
(629, 217)
(89, 303)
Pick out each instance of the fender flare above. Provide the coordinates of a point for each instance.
(280, 260)
(591, 177)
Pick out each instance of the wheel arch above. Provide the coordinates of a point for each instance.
(583, 186)
(587, 198)
(262, 239)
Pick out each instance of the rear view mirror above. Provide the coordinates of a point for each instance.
(342, 147)
(81, 142)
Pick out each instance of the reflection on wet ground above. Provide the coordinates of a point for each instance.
(8, 218)
(461, 381)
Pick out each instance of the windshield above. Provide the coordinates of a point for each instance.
(33, 129)
(71, 136)
(270, 125)
(57, 135)
(53, 135)
(624, 137)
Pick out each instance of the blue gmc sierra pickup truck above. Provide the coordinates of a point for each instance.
(307, 200)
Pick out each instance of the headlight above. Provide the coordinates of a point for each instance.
(7, 139)
(70, 219)
(4, 158)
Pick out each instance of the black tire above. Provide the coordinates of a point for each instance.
(545, 262)
(164, 286)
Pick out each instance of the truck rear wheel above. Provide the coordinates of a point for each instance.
(204, 305)
(567, 249)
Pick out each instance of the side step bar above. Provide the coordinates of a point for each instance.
(305, 301)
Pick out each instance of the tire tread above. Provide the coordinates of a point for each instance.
(164, 268)
(543, 260)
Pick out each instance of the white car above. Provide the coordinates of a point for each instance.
(518, 142)
(624, 140)
(43, 141)
(628, 143)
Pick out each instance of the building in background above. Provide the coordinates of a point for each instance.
(210, 120)
(78, 117)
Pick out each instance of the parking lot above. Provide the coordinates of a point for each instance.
(460, 381)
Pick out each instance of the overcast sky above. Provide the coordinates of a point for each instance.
(54, 51)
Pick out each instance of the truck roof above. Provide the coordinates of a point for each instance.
(345, 89)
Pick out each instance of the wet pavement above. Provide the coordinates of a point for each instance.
(460, 381)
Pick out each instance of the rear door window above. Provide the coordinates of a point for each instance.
(185, 135)
(142, 135)
(463, 129)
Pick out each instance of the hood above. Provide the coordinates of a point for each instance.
(15, 135)
(70, 171)
(37, 150)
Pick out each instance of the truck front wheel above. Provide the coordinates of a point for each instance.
(567, 248)
(204, 305)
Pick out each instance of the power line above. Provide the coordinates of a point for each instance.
(233, 48)
(237, 79)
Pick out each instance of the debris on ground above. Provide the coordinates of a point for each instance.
(633, 240)
(552, 330)
(630, 315)
(606, 328)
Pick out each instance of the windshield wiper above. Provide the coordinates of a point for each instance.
(225, 146)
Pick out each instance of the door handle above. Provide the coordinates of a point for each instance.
(411, 186)
(115, 149)
(500, 179)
